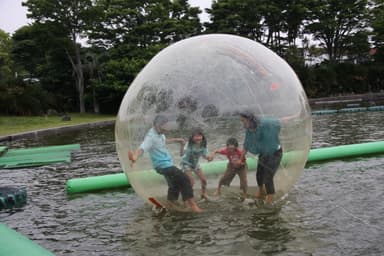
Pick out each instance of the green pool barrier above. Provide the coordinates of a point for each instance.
(344, 151)
(3, 149)
(12, 162)
(119, 180)
(376, 108)
(13, 243)
(109, 181)
(19, 158)
(346, 110)
(43, 150)
(87, 184)
(324, 112)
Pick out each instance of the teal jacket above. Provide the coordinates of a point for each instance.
(265, 139)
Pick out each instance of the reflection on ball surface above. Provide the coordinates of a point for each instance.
(206, 81)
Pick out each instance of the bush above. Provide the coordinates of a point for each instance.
(24, 100)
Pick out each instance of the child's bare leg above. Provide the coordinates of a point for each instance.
(217, 191)
(245, 192)
(203, 181)
(195, 208)
(243, 182)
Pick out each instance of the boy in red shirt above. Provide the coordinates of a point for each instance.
(236, 165)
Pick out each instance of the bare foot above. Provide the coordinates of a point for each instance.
(196, 209)
(194, 206)
(217, 193)
(269, 199)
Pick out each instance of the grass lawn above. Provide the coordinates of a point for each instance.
(16, 124)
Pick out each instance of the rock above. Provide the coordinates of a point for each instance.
(66, 118)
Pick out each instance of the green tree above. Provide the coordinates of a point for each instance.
(74, 17)
(334, 23)
(5, 59)
(275, 23)
(145, 23)
(378, 30)
(38, 52)
(243, 18)
(132, 32)
(294, 13)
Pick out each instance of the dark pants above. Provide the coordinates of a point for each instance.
(178, 182)
(266, 169)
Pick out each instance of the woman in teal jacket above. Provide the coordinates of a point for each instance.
(262, 139)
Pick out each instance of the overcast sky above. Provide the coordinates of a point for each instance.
(13, 15)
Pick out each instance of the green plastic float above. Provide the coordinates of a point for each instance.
(347, 110)
(19, 158)
(79, 185)
(13, 243)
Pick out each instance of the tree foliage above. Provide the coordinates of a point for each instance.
(133, 32)
(378, 29)
(5, 59)
(336, 23)
(74, 17)
(122, 37)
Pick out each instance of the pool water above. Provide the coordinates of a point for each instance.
(335, 208)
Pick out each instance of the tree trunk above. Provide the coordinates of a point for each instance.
(79, 75)
(96, 108)
(80, 79)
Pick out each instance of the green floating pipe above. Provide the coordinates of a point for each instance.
(42, 150)
(19, 158)
(347, 110)
(3, 149)
(352, 150)
(79, 185)
(13, 243)
(109, 181)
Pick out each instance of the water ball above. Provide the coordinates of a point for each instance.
(205, 82)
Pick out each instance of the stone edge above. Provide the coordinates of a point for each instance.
(55, 130)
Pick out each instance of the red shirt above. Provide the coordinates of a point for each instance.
(233, 157)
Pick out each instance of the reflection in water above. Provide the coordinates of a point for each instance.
(334, 205)
(229, 231)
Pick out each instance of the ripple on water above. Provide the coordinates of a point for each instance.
(335, 208)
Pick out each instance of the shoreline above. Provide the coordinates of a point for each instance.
(336, 102)
(352, 100)
(54, 130)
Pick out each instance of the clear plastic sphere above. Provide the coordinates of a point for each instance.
(206, 81)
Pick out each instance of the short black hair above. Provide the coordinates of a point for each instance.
(253, 120)
(233, 142)
(160, 120)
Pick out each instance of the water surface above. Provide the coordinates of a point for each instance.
(335, 208)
